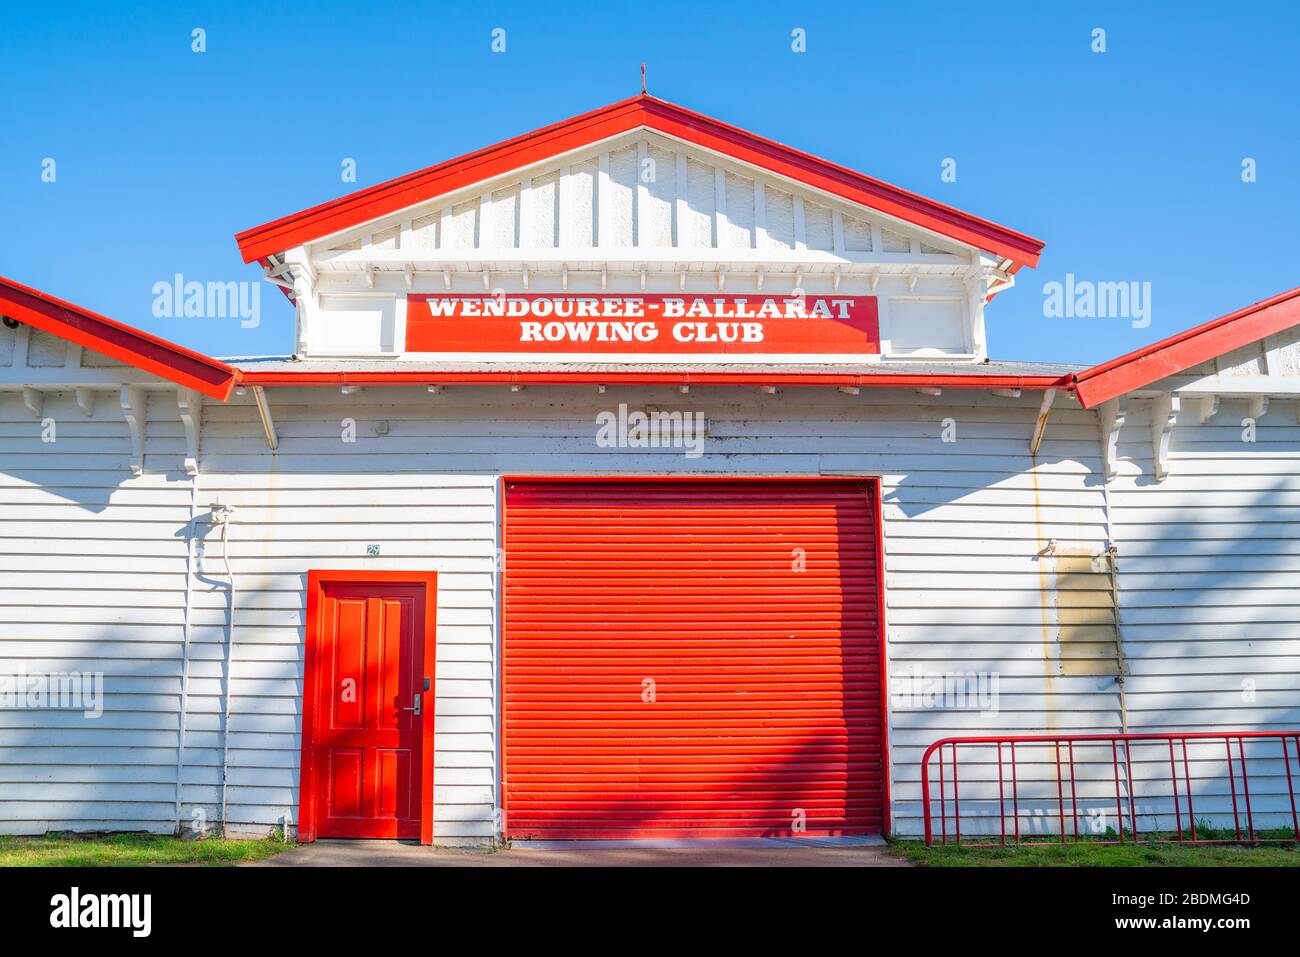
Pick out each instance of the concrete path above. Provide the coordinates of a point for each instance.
(775, 853)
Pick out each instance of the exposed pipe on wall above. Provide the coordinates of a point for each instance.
(221, 516)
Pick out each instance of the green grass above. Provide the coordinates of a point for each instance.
(1093, 854)
(130, 850)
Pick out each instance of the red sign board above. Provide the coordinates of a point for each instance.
(684, 324)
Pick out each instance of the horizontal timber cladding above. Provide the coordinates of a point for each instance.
(1209, 563)
(92, 583)
(94, 572)
(692, 658)
(94, 564)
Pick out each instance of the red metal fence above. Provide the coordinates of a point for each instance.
(1038, 783)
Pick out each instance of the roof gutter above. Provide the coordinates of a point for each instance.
(383, 377)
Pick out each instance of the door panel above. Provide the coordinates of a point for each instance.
(368, 742)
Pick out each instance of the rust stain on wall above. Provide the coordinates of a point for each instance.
(1079, 622)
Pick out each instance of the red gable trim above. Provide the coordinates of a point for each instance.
(1186, 349)
(376, 201)
(841, 181)
(101, 334)
(393, 377)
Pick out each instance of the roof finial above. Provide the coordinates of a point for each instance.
(643, 79)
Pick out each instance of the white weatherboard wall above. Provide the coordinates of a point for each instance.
(961, 531)
(1210, 588)
(1210, 562)
(92, 579)
(94, 574)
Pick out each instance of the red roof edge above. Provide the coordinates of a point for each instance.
(842, 181)
(395, 194)
(1180, 352)
(101, 334)
(644, 110)
(393, 377)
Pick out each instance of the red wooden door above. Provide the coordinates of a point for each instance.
(369, 768)
(692, 658)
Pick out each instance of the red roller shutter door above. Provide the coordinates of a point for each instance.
(691, 658)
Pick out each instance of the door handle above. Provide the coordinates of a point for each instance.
(415, 706)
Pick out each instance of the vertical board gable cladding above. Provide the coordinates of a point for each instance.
(501, 229)
(737, 230)
(631, 193)
(894, 242)
(45, 350)
(8, 339)
(578, 205)
(818, 227)
(462, 231)
(424, 233)
(779, 219)
(696, 231)
(545, 210)
(857, 235)
(655, 216)
(620, 206)
(629, 117)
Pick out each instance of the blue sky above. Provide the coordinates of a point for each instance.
(1127, 163)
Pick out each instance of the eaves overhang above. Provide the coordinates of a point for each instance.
(185, 367)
